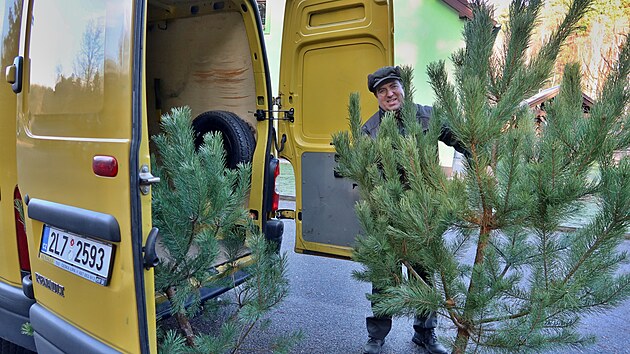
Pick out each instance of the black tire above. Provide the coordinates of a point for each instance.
(7, 347)
(238, 138)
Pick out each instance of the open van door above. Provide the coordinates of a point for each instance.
(83, 169)
(328, 49)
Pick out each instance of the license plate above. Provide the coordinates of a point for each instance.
(83, 256)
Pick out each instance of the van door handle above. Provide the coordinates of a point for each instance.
(151, 258)
(13, 74)
(10, 73)
(146, 179)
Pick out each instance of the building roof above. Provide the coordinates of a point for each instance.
(552, 92)
(465, 12)
(462, 8)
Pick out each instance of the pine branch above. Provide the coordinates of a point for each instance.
(522, 17)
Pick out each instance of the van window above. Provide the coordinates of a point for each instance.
(67, 56)
(78, 48)
(9, 29)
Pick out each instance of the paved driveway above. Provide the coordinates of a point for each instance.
(329, 306)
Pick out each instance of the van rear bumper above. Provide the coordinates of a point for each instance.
(14, 307)
(54, 335)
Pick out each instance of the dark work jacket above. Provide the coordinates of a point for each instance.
(423, 114)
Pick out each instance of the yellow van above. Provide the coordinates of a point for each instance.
(14, 255)
(86, 83)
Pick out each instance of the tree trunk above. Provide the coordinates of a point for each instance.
(461, 342)
(182, 320)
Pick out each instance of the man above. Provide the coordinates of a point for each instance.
(386, 85)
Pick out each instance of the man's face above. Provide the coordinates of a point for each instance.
(390, 95)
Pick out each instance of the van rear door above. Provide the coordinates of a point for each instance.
(82, 153)
(328, 48)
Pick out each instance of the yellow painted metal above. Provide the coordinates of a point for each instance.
(77, 103)
(144, 158)
(328, 48)
(262, 127)
(9, 262)
(67, 116)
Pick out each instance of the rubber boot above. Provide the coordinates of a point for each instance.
(373, 346)
(426, 338)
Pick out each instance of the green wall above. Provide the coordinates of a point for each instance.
(426, 31)
(275, 15)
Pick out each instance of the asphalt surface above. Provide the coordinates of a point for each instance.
(329, 307)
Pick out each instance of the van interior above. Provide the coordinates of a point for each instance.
(199, 56)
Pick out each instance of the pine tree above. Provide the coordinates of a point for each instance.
(199, 209)
(503, 271)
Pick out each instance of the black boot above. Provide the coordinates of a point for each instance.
(373, 346)
(426, 338)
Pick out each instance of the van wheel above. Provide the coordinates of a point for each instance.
(238, 137)
(7, 347)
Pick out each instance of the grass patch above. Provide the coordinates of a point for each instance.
(285, 183)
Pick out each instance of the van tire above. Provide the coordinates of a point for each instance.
(7, 347)
(238, 137)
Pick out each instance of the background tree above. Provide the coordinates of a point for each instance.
(593, 45)
(10, 43)
(198, 207)
(503, 272)
(88, 65)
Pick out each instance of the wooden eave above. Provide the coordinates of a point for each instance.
(552, 92)
(462, 8)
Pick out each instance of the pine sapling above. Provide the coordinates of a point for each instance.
(503, 269)
(204, 233)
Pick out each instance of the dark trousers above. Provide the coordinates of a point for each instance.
(379, 327)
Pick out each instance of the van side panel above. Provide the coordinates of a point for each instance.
(14, 305)
(10, 27)
(82, 99)
(67, 338)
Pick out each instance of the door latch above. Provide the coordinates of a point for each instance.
(285, 214)
(146, 179)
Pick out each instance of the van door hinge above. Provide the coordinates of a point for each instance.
(261, 114)
(285, 214)
(146, 179)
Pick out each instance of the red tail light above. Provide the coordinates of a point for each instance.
(276, 196)
(20, 232)
(106, 166)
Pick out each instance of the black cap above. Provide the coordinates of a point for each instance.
(381, 75)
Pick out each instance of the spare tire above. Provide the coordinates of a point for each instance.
(238, 138)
